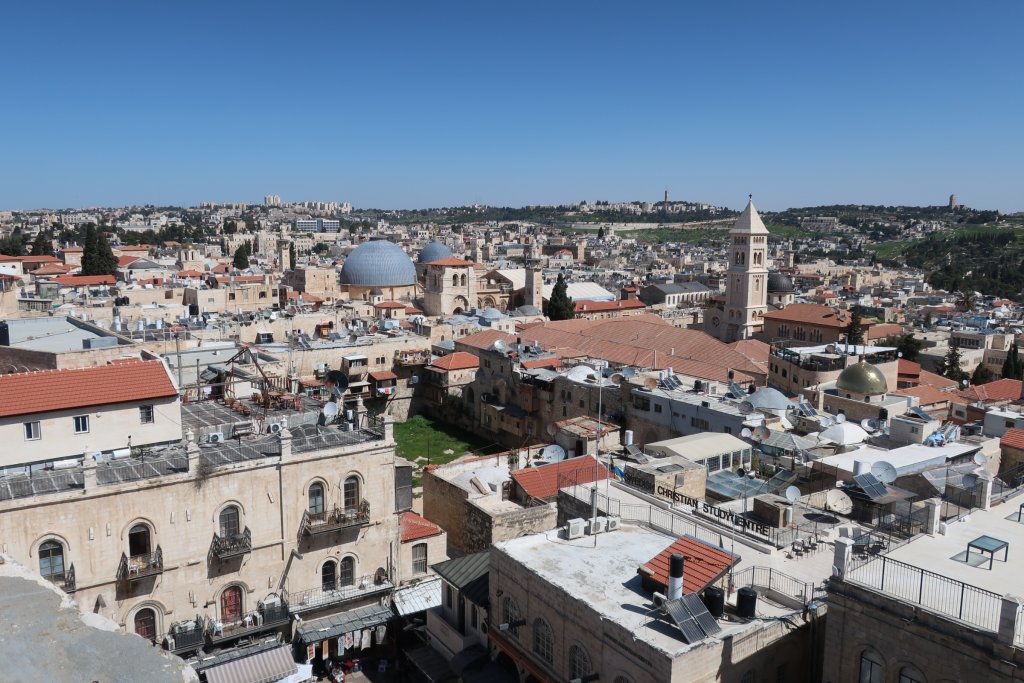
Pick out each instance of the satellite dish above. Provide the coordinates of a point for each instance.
(970, 481)
(980, 458)
(761, 433)
(869, 425)
(746, 433)
(553, 453)
(616, 378)
(330, 410)
(746, 407)
(840, 418)
(499, 346)
(339, 379)
(838, 502)
(792, 494)
(884, 472)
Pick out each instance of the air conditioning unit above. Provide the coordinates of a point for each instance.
(215, 437)
(597, 525)
(575, 528)
(275, 427)
(614, 523)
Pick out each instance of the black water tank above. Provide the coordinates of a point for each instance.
(714, 600)
(746, 603)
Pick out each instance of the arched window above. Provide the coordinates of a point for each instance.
(870, 667)
(455, 280)
(351, 493)
(579, 662)
(419, 558)
(231, 604)
(229, 521)
(51, 561)
(462, 281)
(316, 498)
(329, 575)
(543, 642)
(510, 616)
(145, 623)
(909, 674)
(139, 541)
(348, 571)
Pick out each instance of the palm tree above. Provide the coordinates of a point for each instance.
(966, 301)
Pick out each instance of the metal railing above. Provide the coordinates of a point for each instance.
(68, 584)
(182, 638)
(314, 598)
(780, 583)
(1008, 483)
(224, 547)
(265, 618)
(375, 424)
(934, 592)
(335, 518)
(140, 566)
(1018, 635)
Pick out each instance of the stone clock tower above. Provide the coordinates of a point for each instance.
(746, 281)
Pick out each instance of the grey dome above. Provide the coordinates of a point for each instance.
(378, 263)
(779, 283)
(434, 251)
(769, 399)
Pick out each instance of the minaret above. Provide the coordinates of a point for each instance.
(746, 298)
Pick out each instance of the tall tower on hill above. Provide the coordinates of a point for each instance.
(746, 282)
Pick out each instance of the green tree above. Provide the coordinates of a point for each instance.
(600, 233)
(41, 245)
(951, 365)
(855, 329)
(1013, 366)
(560, 305)
(241, 259)
(291, 255)
(966, 301)
(907, 344)
(982, 375)
(97, 256)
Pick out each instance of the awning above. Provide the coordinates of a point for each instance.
(266, 667)
(339, 624)
(418, 598)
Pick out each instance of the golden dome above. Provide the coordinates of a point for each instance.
(862, 378)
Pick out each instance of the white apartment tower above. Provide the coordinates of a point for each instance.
(746, 291)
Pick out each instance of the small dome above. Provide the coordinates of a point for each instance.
(862, 378)
(378, 263)
(779, 283)
(844, 434)
(769, 399)
(434, 251)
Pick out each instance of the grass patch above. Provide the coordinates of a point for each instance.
(891, 249)
(425, 442)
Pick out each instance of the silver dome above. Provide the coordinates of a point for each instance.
(434, 251)
(378, 263)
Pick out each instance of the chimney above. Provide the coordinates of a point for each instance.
(675, 577)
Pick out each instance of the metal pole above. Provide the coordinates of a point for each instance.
(177, 352)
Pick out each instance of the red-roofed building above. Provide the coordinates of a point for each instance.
(541, 484)
(446, 384)
(1011, 445)
(75, 281)
(703, 565)
(55, 414)
(812, 323)
(601, 310)
(999, 392)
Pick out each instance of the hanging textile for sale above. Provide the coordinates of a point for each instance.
(357, 639)
(367, 639)
(311, 652)
(348, 641)
(325, 650)
(382, 633)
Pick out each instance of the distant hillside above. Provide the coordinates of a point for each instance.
(987, 260)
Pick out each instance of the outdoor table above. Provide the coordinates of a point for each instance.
(987, 544)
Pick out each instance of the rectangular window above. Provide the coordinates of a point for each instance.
(419, 558)
(146, 415)
(657, 407)
(449, 597)
(472, 616)
(81, 424)
(32, 431)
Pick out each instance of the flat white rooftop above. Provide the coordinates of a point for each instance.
(906, 459)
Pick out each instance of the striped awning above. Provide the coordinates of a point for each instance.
(265, 667)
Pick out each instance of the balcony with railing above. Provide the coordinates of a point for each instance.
(186, 636)
(361, 587)
(335, 519)
(269, 616)
(226, 547)
(141, 566)
(65, 581)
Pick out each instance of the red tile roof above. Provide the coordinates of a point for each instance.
(999, 390)
(384, 374)
(83, 280)
(39, 259)
(938, 381)
(553, 362)
(810, 314)
(126, 260)
(460, 360)
(928, 394)
(908, 367)
(50, 269)
(240, 279)
(413, 527)
(542, 482)
(450, 262)
(190, 273)
(884, 330)
(1013, 438)
(601, 306)
(703, 564)
(49, 390)
(73, 250)
(389, 304)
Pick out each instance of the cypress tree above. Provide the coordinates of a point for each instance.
(241, 259)
(560, 305)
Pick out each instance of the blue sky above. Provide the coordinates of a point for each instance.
(434, 104)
